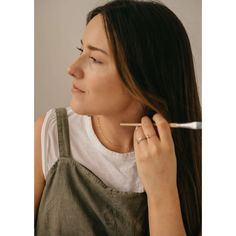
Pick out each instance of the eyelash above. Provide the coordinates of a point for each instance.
(94, 59)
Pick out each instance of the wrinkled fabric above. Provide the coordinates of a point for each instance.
(76, 202)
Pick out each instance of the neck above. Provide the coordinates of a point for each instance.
(112, 135)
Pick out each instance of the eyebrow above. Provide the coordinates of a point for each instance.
(92, 48)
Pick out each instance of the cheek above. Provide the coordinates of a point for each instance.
(104, 86)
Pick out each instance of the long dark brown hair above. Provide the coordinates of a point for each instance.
(154, 59)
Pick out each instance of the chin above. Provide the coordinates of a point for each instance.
(79, 109)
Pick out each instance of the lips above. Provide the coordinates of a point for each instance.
(77, 88)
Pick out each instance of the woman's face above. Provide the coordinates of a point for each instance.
(95, 73)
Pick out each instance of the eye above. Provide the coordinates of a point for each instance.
(81, 50)
(95, 60)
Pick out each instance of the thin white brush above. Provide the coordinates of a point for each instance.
(190, 125)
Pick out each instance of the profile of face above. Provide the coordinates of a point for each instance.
(95, 73)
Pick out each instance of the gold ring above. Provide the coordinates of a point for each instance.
(149, 136)
(141, 139)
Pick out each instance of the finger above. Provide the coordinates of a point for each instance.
(140, 140)
(149, 130)
(163, 128)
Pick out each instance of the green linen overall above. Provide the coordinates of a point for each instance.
(76, 202)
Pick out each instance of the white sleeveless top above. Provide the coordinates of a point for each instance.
(117, 170)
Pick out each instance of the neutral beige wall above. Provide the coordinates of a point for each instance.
(58, 29)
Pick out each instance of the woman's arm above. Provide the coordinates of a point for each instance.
(39, 181)
(157, 169)
(165, 214)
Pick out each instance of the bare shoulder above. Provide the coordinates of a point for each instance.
(39, 181)
(39, 121)
(37, 134)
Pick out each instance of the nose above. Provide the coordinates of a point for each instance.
(75, 70)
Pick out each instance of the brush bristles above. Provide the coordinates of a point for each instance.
(191, 125)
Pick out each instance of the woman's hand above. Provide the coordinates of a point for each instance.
(155, 156)
(156, 163)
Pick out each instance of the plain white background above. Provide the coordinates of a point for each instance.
(17, 117)
(59, 26)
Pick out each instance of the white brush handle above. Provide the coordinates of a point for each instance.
(190, 125)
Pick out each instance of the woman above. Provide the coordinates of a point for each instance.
(135, 66)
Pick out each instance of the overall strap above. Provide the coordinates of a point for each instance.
(63, 132)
